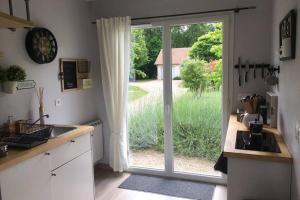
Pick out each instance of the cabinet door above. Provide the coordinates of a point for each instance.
(70, 150)
(29, 180)
(97, 141)
(74, 180)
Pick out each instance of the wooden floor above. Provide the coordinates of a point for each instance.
(107, 184)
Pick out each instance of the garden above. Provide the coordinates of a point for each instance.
(196, 126)
(196, 116)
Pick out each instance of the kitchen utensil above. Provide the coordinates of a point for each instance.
(239, 71)
(40, 95)
(247, 69)
(262, 72)
(254, 103)
(248, 107)
(254, 71)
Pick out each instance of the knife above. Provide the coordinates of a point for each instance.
(254, 71)
(239, 71)
(247, 71)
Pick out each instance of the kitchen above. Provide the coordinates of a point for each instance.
(70, 23)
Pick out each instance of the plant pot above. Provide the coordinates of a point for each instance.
(10, 87)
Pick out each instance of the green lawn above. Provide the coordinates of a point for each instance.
(196, 125)
(135, 92)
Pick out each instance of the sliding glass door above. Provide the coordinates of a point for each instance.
(177, 92)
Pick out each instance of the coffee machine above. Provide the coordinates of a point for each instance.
(256, 136)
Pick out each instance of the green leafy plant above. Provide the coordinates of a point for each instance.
(2, 75)
(193, 73)
(15, 73)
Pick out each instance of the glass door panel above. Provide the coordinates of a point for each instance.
(197, 97)
(145, 100)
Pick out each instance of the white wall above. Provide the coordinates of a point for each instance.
(252, 30)
(289, 89)
(69, 22)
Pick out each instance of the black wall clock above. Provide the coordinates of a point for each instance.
(41, 45)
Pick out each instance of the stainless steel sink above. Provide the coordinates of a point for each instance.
(61, 130)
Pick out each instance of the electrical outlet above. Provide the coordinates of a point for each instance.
(58, 102)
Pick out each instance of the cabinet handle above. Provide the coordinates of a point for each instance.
(72, 141)
(53, 174)
(47, 154)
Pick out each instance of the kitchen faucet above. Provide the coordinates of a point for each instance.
(40, 119)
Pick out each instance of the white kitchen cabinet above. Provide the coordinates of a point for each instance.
(62, 173)
(258, 179)
(29, 180)
(97, 143)
(74, 180)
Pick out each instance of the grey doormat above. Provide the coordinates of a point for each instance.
(171, 187)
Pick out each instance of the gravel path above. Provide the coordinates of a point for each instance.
(153, 159)
(155, 92)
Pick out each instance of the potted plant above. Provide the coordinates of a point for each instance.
(13, 74)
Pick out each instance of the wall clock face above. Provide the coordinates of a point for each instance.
(41, 45)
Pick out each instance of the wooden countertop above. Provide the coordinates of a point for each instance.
(231, 151)
(16, 156)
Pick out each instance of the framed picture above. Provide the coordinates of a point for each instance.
(287, 36)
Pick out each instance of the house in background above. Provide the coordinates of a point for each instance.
(178, 56)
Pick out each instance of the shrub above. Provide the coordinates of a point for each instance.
(15, 73)
(193, 74)
(177, 78)
(215, 77)
(145, 124)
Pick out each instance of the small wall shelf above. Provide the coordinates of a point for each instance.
(8, 21)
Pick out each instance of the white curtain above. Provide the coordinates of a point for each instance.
(114, 48)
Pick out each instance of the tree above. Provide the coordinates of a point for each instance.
(187, 35)
(209, 46)
(153, 39)
(193, 73)
(139, 53)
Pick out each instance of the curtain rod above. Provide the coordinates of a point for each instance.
(236, 10)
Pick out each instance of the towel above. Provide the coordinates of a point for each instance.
(221, 164)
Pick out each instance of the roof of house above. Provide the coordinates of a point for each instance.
(178, 56)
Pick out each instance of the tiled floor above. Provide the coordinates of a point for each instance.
(107, 184)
